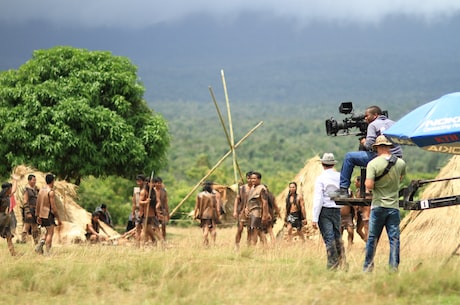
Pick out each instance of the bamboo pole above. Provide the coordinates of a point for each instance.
(225, 129)
(230, 126)
(214, 168)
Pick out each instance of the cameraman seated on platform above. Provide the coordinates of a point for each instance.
(377, 124)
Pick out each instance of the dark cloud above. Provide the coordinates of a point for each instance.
(142, 13)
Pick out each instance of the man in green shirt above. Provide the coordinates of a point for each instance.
(383, 177)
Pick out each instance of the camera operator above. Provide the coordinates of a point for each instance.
(377, 124)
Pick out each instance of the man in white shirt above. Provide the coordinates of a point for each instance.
(326, 213)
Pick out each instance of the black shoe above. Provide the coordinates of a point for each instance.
(343, 193)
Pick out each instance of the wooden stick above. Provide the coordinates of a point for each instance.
(230, 126)
(225, 129)
(214, 168)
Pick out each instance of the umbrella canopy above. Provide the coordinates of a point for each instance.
(434, 126)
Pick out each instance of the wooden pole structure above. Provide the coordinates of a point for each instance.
(230, 126)
(225, 129)
(214, 168)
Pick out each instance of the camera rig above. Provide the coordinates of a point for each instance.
(335, 128)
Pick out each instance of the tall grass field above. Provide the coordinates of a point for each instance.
(186, 272)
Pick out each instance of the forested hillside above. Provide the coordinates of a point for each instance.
(290, 135)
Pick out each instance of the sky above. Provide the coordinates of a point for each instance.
(295, 48)
(144, 13)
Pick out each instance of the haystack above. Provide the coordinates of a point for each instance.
(434, 232)
(305, 180)
(74, 218)
(228, 195)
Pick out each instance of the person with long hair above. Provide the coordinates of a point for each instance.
(208, 212)
(295, 212)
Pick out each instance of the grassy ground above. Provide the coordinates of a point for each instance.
(187, 273)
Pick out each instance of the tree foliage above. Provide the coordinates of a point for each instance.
(77, 112)
(115, 192)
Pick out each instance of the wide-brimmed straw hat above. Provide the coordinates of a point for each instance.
(328, 159)
(382, 141)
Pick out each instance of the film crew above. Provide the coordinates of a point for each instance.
(384, 174)
(326, 213)
(377, 123)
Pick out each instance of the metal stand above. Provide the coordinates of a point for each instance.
(407, 193)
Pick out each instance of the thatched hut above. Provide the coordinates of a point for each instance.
(74, 218)
(434, 232)
(227, 195)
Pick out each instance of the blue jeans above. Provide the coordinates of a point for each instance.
(379, 218)
(352, 159)
(329, 226)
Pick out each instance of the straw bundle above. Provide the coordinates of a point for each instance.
(73, 216)
(434, 232)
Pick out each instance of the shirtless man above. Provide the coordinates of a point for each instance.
(257, 209)
(208, 212)
(295, 212)
(47, 213)
(135, 211)
(274, 211)
(149, 221)
(362, 214)
(92, 230)
(239, 208)
(162, 207)
(346, 215)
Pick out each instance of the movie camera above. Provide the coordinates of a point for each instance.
(334, 127)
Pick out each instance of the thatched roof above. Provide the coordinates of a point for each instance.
(434, 231)
(73, 216)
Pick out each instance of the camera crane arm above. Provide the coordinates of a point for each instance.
(408, 193)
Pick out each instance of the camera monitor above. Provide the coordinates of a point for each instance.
(346, 107)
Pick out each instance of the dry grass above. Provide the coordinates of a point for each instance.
(187, 273)
(73, 216)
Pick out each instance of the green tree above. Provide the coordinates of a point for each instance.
(77, 112)
(115, 192)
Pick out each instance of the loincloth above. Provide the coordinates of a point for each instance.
(347, 221)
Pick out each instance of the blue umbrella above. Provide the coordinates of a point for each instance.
(434, 126)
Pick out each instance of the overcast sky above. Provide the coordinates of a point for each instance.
(142, 13)
(181, 45)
